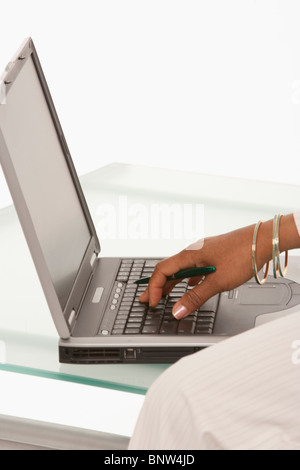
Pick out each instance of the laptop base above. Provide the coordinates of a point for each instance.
(100, 355)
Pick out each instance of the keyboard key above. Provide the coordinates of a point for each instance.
(117, 331)
(132, 331)
(137, 304)
(131, 294)
(133, 323)
(126, 303)
(158, 314)
(203, 331)
(124, 311)
(125, 266)
(155, 311)
(122, 317)
(186, 327)
(148, 270)
(128, 295)
(131, 288)
(151, 315)
(169, 328)
(136, 316)
(150, 329)
(176, 294)
(206, 314)
(152, 322)
(141, 287)
(168, 316)
(151, 262)
(192, 315)
(138, 308)
(179, 289)
(204, 322)
(120, 323)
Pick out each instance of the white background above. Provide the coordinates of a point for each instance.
(210, 85)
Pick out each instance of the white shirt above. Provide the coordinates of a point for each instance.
(241, 394)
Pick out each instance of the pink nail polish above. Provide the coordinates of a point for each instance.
(180, 312)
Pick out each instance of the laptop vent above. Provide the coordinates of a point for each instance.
(90, 355)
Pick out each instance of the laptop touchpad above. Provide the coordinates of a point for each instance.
(252, 304)
(269, 294)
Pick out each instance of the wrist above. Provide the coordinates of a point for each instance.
(289, 238)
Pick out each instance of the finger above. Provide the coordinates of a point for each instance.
(194, 298)
(155, 289)
(144, 297)
(170, 286)
(158, 283)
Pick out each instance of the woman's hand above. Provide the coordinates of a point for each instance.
(230, 253)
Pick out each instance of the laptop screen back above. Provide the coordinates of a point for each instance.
(45, 180)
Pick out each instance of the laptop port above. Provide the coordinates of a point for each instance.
(130, 353)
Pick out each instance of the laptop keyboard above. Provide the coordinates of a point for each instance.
(133, 318)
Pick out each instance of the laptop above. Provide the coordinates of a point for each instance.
(92, 299)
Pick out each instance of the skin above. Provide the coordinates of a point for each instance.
(230, 253)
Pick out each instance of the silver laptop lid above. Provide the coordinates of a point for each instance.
(45, 187)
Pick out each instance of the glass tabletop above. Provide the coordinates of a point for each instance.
(126, 202)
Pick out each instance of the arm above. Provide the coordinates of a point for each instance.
(230, 253)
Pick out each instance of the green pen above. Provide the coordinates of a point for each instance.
(187, 273)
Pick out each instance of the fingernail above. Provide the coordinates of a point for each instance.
(180, 312)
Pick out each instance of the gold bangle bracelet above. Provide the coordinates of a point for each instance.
(276, 253)
(259, 281)
(275, 243)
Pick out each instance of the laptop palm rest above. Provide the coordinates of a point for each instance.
(241, 309)
(96, 298)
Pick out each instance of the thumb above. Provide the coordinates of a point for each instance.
(194, 298)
